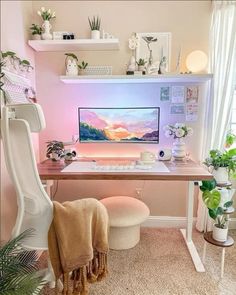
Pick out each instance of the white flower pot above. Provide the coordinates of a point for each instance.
(46, 35)
(221, 175)
(178, 150)
(141, 68)
(226, 195)
(36, 37)
(55, 156)
(95, 34)
(220, 234)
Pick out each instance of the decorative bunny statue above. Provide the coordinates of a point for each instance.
(71, 68)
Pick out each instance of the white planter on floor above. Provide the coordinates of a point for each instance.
(221, 175)
(95, 34)
(220, 234)
(226, 195)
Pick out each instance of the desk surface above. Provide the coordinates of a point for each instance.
(185, 171)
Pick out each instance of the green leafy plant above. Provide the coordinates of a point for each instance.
(8, 53)
(94, 23)
(36, 29)
(72, 55)
(83, 65)
(56, 147)
(1, 75)
(226, 158)
(18, 268)
(141, 62)
(230, 139)
(211, 198)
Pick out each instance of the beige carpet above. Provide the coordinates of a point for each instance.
(160, 265)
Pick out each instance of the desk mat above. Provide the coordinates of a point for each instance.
(93, 167)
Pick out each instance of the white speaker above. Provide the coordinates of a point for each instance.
(165, 155)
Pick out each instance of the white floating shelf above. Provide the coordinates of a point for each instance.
(189, 78)
(74, 45)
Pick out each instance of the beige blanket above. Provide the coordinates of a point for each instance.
(78, 243)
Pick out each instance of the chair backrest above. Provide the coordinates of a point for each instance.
(35, 208)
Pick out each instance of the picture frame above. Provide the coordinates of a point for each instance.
(159, 49)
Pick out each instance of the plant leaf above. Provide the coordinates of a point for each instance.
(211, 199)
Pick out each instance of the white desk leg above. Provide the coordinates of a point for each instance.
(222, 263)
(49, 184)
(187, 233)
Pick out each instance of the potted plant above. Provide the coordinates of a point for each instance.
(25, 66)
(11, 60)
(71, 64)
(55, 150)
(141, 65)
(178, 132)
(46, 15)
(82, 67)
(18, 268)
(95, 24)
(222, 164)
(212, 199)
(36, 31)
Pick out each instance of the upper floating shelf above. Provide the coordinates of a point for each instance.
(188, 78)
(74, 45)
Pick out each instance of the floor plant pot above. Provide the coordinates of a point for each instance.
(220, 234)
(226, 195)
(178, 150)
(221, 175)
(46, 35)
(95, 34)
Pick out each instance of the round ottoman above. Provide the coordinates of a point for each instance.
(125, 216)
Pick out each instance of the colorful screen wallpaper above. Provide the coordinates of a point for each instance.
(119, 125)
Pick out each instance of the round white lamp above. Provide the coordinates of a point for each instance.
(196, 61)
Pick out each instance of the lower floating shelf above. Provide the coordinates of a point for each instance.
(189, 78)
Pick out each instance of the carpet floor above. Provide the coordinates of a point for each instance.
(161, 265)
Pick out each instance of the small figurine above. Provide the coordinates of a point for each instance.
(71, 67)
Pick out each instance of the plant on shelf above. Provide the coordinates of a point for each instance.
(212, 199)
(55, 150)
(71, 64)
(82, 67)
(162, 65)
(141, 64)
(223, 163)
(18, 268)
(36, 31)
(46, 15)
(95, 24)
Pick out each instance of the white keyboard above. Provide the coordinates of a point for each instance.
(124, 165)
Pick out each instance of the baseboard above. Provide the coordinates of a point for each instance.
(175, 222)
(166, 221)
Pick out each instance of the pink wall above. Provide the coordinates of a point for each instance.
(16, 17)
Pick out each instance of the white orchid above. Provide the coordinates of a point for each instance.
(133, 42)
(177, 130)
(46, 14)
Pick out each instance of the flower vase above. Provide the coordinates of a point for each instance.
(178, 150)
(46, 35)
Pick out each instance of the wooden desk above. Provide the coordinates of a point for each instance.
(179, 171)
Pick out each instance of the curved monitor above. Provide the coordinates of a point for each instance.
(120, 125)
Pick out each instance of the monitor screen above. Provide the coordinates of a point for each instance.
(135, 125)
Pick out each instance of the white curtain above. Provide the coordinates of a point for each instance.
(222, 63)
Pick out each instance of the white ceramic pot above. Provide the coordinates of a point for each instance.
(178, 150)
(36, 37)
(220, 234)
(141, 68)
(46, 35)
(226, 195)
(95, 34)
(55, 156)
(221, 175)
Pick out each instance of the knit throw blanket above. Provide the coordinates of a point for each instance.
(78, 244)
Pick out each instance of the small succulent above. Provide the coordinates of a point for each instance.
(141, 62)
(94, 23)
